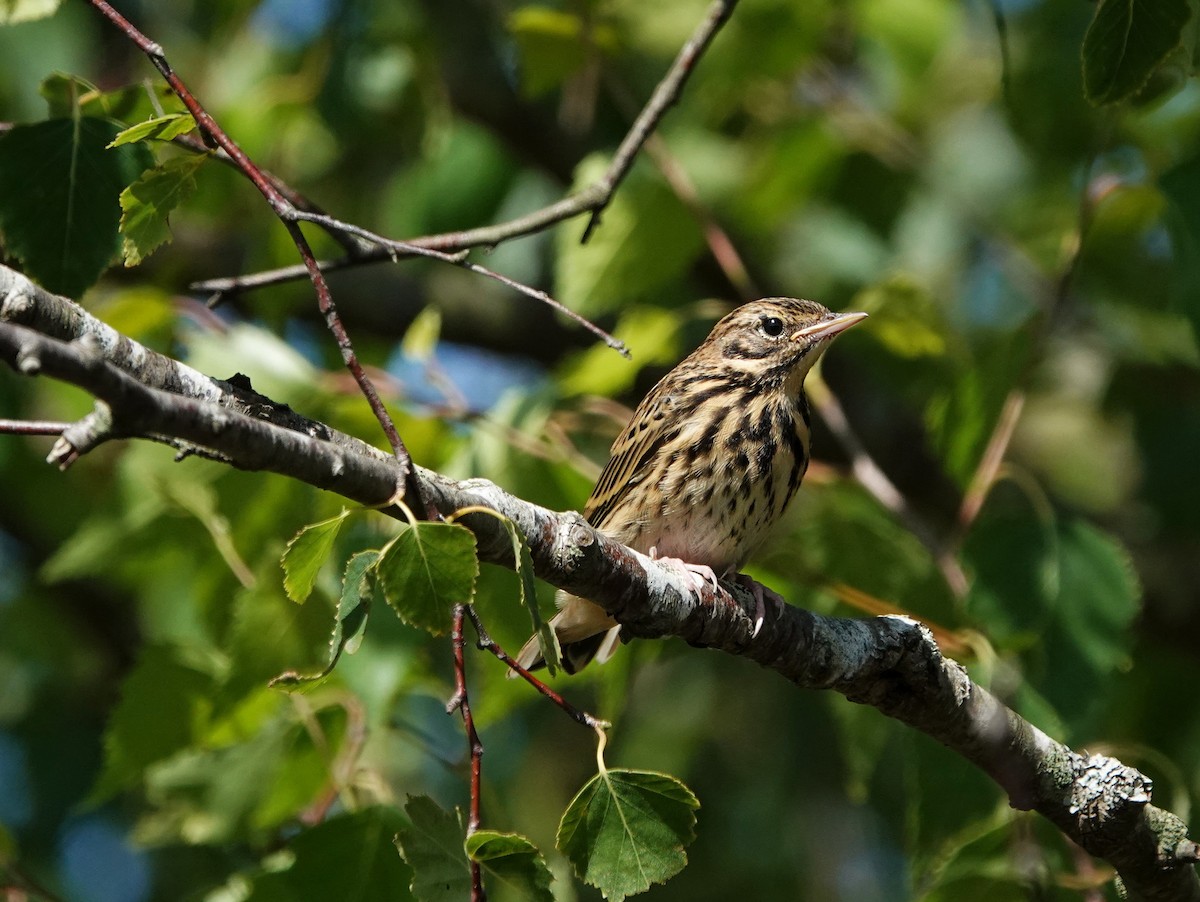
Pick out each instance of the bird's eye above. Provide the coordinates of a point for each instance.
(772, 325)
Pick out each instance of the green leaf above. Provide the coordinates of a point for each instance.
(350, 624)
(905, 318)
(160, 128)
(1126, 42)
(553, 45)
(355, 602)
(66, 94)
(422, 336)
(652, 335)
(1181, 186)
(307, 553)
(14, 11)
(59, 189)
(549, 641)
(254, 772)
(433, 846)
(1060, 592)
(964, 404)
(512, 861)
(645, 240)
(164, 705)
(146, 204)
(627, 830)
(270, 636)
(350, 857)
(1097, 598)
(426, 570)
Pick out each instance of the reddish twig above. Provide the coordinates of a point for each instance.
(294, 197)
(32, 427)
(486, 643)
(214, 136)
(460, 702)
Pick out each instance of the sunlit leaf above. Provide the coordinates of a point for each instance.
(554, 44)
(65, 94)
(627, 830)
(426, 570)
(14, 11)
(160, 128)
(307, 553)
(270, 635)
(422, 336)
(350, 624)
(146, 204)
(652, 335)
(257, 773)
(432, 844)
(1126, 42)
(905, 319)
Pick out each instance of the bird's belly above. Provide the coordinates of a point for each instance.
(721, 521)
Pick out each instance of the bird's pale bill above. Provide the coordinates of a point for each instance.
(828, 328)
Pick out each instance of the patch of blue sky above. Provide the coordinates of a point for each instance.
(98, 863)
(293, 23)
(480, 375)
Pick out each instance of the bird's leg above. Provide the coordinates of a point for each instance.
(761, 595)
(699, 573)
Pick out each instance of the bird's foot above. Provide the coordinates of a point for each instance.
(762, 594)
(700, 574)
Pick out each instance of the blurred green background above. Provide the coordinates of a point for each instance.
(934, 162)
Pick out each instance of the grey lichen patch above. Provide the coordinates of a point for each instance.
(1106, 788)
(573, 538)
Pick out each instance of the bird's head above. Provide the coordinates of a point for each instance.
(777, 337)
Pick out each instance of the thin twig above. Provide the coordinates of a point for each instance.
(665, 95)
(214, 136)
(459, 258)
(720, 245)
(294, 197)
(592, 199)
(486, 643)
(984, 476)
(462, 703)
(32, 427)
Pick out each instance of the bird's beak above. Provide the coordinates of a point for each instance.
(828, 328)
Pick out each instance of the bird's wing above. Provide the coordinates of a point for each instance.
(651, 426)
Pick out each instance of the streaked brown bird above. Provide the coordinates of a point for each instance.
(708, 462)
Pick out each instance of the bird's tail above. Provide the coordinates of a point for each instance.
(585, 632)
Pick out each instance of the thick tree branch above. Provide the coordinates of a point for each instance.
(891, 663)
